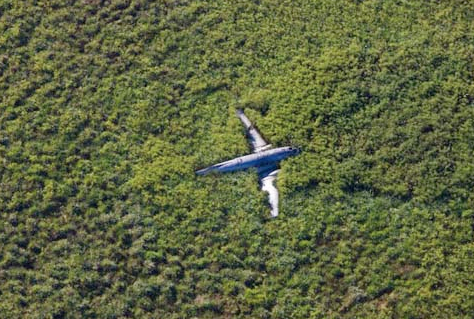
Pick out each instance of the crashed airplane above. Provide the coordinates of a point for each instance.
(264, 158)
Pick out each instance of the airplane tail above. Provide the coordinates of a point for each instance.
(204, 171)
(209, 169)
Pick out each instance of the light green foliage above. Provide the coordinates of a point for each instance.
(108, 107)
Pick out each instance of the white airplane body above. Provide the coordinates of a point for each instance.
(264, 158)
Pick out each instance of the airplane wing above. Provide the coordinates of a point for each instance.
(257, 141)
(268, 175)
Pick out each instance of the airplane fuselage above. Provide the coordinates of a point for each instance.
(252, 160)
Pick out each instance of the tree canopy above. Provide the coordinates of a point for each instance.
(108, 107)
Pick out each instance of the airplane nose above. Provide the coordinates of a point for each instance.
(295, 150)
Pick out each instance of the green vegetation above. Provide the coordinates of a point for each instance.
(108, 107)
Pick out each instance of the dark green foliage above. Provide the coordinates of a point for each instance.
(108, 107)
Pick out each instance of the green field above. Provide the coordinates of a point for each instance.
(108, 107)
